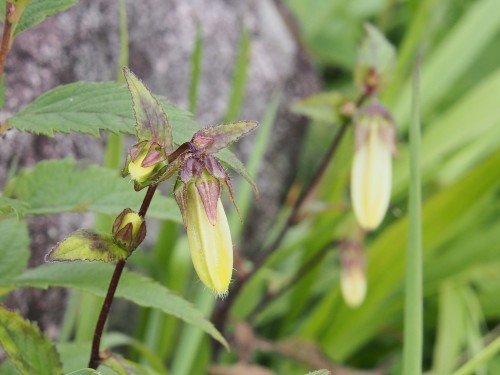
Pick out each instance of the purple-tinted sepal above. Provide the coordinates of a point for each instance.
(374, 113)
(180, 194)
(209, 190)
(129, 230)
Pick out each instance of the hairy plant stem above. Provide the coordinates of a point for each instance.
(222, 309)
(5, 44)
(113, 284)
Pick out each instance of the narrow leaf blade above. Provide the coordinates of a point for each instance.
(234, 163)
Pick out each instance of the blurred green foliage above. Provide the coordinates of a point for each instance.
(458, 42)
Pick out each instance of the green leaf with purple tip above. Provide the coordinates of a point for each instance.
(87, 245)
(375, 53)
(214, 138)
(151, 121)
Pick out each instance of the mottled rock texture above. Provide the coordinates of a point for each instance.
(83, 44)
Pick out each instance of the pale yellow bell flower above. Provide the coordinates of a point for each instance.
(352, 274)
(353, 285)
(371, 175)
(210, 244)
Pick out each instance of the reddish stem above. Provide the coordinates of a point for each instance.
(106, 306)
(95, 357)
(5, 44)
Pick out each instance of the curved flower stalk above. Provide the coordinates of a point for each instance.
(352, 273)
(371, 176)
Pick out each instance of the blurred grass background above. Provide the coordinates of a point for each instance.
(307, 325)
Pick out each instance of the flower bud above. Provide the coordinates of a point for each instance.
(352, 273)
(137, 171)
(209, 241)
(145, 163)
(129, 229)
(371, 175)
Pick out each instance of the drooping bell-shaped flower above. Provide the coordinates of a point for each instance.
(371, 175)
(352, 273)
(197, 192)
(209, 237)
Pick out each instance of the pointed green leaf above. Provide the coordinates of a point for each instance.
(61, 186)
(14, 249)
(376, 53)
(87, 245)
(29, 350)
(323, 107)
(94, 278)
(151, 121)
(232, 161)
(36, 11)
(240, 76)
(89, 107)
(213, 138)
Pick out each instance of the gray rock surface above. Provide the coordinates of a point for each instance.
(83, 44)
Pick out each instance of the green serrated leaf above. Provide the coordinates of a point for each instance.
(94, 278)
(56, 186)
(8, 206)
(89, 246)
(89, 107)
(234, 163)
(14, 251)
(323, 107)
(376, 53)
(27, 348)
(151, 121)
(36, 11)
